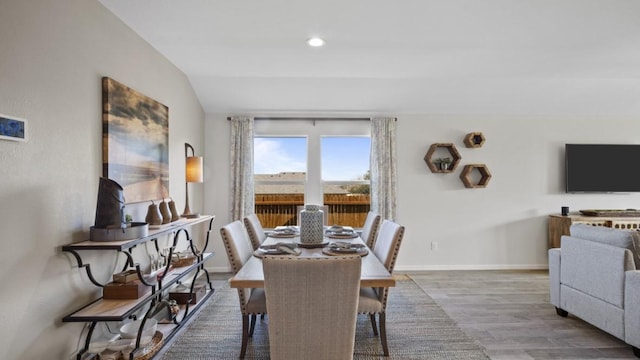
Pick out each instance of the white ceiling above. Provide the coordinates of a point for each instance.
(501, 57)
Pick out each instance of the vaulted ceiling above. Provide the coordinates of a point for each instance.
(501, 57)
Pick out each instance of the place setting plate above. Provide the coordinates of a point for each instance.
(344, 235)
(344, 248)
(274, 234)
(277, 249)
(341, 232)
(311, 245)
(284, 232)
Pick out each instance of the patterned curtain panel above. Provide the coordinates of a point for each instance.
(383, 167)
(242, 197)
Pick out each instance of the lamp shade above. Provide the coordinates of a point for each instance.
(193, 169)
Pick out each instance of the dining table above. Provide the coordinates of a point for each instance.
(373, 273)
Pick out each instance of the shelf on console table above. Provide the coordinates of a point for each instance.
(559, 225)
(126, 244)
(103, 310)
(118, 310)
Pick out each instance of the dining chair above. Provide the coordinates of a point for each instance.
(312, 305)
(370, 229)
(373, 301)
(255, 230)
(252, 301)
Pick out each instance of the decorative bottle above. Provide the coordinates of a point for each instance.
(311, 225)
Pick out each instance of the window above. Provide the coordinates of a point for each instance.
(302, 162)
(278, 162)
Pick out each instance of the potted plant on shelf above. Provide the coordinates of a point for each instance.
(443, 163)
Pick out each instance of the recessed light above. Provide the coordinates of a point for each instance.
(315, 42)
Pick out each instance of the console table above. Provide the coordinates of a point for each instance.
(559, 225)
(155, 301)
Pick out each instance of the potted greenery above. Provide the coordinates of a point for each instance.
(443, 163)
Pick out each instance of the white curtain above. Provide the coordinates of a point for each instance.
(383, 167)
(241, 194)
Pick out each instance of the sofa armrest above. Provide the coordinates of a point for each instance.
(554, 276)
(632, 308)
(595, 269)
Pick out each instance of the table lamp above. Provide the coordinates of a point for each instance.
(193, 174)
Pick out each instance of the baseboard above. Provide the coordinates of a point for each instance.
(473, 267)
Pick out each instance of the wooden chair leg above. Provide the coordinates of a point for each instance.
(245, 333)
(373, 324)
(383, 334)
(253, 324)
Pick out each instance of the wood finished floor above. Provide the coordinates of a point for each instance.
(508, 313)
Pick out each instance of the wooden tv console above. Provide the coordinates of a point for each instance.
(559, 225)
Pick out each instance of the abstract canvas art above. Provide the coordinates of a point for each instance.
(135, 142)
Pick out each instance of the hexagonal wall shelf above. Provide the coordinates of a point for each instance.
(455, 155)
(474, 140)
(467, 171)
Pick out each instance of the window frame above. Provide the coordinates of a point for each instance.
(314, 131)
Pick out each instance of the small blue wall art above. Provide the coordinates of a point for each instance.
(13, 128)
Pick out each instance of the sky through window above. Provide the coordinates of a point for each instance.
(343, 158)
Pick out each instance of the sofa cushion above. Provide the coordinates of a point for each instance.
(628, 239)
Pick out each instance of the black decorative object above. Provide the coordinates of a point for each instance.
(110, 222)
(110, 207)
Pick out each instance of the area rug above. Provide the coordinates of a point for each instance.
(417, 328)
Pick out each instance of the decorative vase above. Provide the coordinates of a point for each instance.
(164, 211)
(175, 215)
(311, 225)
(154, 217)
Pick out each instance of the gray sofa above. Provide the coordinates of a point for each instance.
(593, 276)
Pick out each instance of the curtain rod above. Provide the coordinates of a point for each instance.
(312, 118)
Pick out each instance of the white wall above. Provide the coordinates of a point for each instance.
(502, 226)
(52, 57)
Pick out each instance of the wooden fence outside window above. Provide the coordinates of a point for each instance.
(281, 209)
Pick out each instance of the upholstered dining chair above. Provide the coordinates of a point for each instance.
(312, 304)
(255, 230)
(370, 229)
(374, 300)
(252, 301)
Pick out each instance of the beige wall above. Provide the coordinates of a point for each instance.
(53, 55)
(503, 226)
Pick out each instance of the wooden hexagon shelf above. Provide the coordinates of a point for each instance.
(467, 171)
(474, 140)
(452, 150)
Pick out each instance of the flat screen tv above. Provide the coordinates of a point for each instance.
(602, 168)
